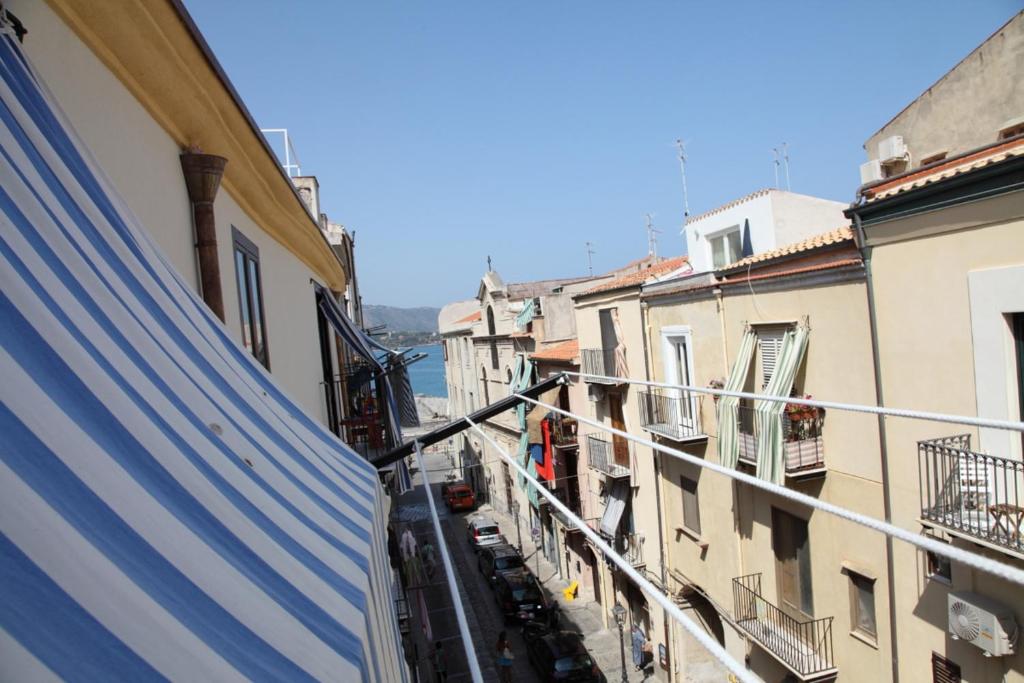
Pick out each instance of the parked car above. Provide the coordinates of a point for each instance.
(458, 497)
(496, 559)
(483, 532)
(520, 597)
(561, 656)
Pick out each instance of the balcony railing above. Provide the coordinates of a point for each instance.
(599, 362)
(972, 493)
(674, 415)
(601, 456)
(631, 547)
(563, 432)
(805, 647)
(802, 444)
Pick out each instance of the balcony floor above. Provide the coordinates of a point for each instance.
(800, 657)
(977, 525)
(672, 431)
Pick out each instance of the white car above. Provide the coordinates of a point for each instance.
(483, 531)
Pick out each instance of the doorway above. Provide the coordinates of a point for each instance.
(791, 545)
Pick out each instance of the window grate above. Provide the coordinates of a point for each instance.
(944, 670)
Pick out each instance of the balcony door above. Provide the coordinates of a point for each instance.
(619, 444)
(677, 354)
(791, 544)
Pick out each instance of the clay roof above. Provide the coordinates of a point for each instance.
(993, 154)
(641, 276)
(837, 236)
(729, 205)
(471, 318)
(742, 278)
(563, 352)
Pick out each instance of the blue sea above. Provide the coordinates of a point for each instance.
(427, 375)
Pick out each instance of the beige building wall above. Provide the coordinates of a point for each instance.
(124, 138)
(736, 526)
(930, 355)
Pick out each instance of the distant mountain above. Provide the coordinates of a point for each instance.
(422, 319)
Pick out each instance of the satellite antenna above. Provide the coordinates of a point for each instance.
(785, 159)
(682, 168)
(652, 237)
(590, 260)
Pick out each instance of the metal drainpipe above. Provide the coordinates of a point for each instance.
(646, 332)
(865, 252)
(202, 180)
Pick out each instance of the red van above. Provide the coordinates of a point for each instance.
(459, 497)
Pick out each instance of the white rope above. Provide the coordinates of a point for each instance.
(853, 407)
(984, 564)
(738, 669)
(460, 614)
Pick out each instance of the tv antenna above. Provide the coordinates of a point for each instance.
(652, 237)
(681, 147)
(785, 161)
(590, 259)
(775, 153)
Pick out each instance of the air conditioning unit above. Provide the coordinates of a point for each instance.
(870, 172)
(983, 622)
(892, 149)
(595, 393)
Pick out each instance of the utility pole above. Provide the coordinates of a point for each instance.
(682, 168)
(590, 260)
(652, 237)
(785, 159)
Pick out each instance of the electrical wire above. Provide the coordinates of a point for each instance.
(815, 403)
(975, 560)
(709, 643)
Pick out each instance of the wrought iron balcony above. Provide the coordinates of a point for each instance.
(802, 443)
(804, 647)
(563, 432)
(600, 362)
(673, 414)
(601, 456)
(631, 547)
(972, 494)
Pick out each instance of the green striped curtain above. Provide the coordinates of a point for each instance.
(728, 423)
(771, 454)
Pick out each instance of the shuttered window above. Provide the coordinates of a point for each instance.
(943, 670)
(769, 340)
(691, 507)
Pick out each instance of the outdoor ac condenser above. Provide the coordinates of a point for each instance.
(983, 622)
(891, 149)
(870, 171)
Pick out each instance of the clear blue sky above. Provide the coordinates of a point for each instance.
(442, 132)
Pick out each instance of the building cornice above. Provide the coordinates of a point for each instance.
(154, 48)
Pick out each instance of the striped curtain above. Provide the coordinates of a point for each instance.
(728, 422)
(771, 456)
(166, 510)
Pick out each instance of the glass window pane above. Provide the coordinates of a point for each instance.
(733, 239)
(691, 508)
(255, 287)
(243, 299)
(718, 252)
(864, 604)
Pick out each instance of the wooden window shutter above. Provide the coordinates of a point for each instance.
(943, 670)
(770, 341)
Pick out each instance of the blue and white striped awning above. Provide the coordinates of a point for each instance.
(166, 511)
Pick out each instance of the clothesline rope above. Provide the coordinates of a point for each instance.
(460, 614)
(709, 643)
(984, 564)
(990, 423)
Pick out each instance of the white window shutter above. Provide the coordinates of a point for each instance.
(770, 342)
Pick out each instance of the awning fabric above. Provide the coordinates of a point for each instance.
(728, 418)
(770, 453)
(614, 507)
(166, 511)
(525, 316)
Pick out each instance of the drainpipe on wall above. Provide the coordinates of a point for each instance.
(865, 253)
(202, 180)
(645, 329)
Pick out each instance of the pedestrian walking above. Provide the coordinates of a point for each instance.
(505, 657)
(440, 663)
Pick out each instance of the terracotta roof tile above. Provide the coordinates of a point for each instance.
(564, 352)
(641, 276)
(729, 205)
(471, 318)
(829, 265)
(964, 164)
(837, 236)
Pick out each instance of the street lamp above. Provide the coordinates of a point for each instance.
(515, 513)
(619, 612)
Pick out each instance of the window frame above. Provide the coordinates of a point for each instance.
(724, 235)
(250, 254)
(671, 336)
(859, 583)
(694, 494)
